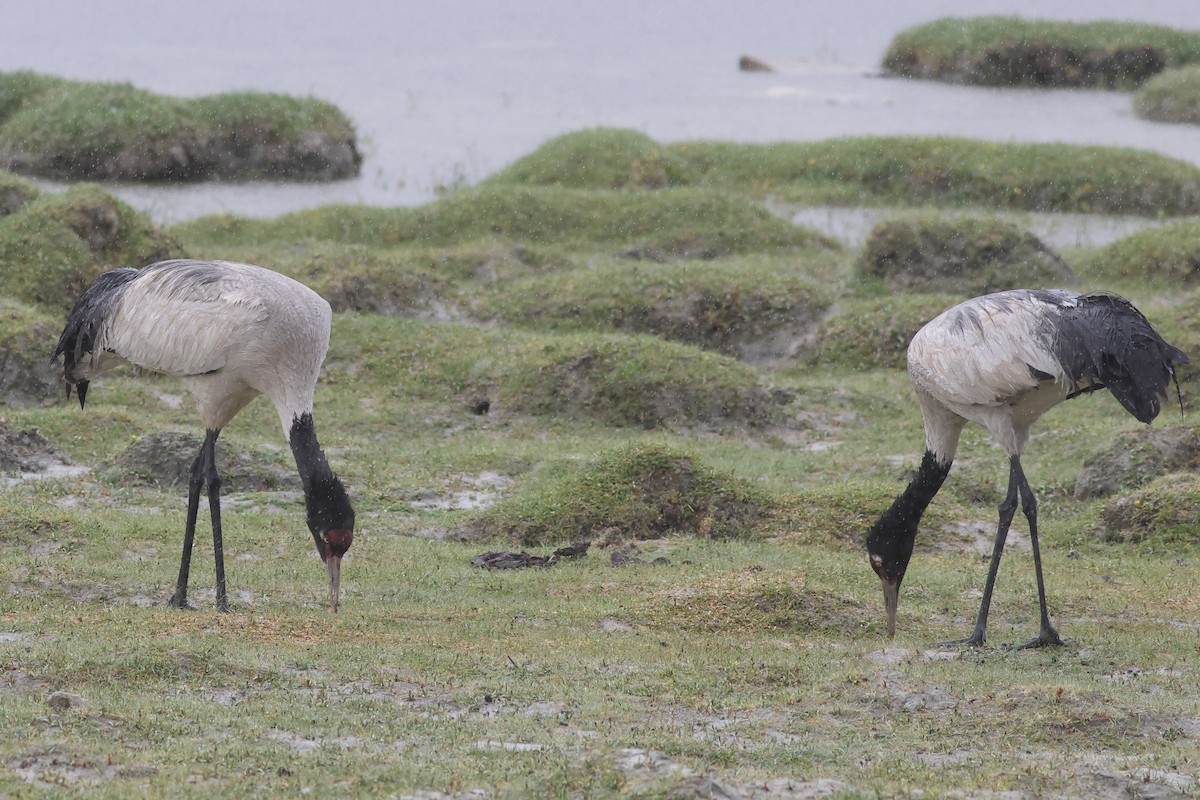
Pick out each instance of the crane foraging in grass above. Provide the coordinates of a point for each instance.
(1002, 360)
(229, 332)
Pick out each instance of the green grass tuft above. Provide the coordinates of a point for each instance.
(600, 158)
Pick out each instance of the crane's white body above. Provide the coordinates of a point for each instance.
(977, 361)
(229, 332)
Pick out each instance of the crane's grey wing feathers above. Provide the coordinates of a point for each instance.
(185, 318)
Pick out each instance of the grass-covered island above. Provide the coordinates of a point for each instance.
(1013, 51)
(1171, 96)
(612, 341)
(51, 127)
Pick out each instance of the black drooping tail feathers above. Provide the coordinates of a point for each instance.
(1105, 339)
(85, 323)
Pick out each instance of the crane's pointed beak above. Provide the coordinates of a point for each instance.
(891, 602)
(333, 565)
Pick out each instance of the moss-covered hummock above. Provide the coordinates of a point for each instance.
(1011, 51)
(1168, 253)
(874, 333)
(644, 491)
(899, 170)
(74, 130)
(600, 158)
(754, 310)
(14, 193)
(26, 339)
(944, 171)
(959, 255)
(1161, 513)
(54, 245)
(672, 223)
(1172, 96)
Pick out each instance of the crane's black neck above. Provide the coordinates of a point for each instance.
(891, 538)
(328, 504)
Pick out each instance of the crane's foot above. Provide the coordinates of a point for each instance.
(977, 638)
(223, 605)
(1048, 637)
(179, 600)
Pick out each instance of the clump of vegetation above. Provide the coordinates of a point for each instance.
(628, 381)
(758, 599)
(946, 171)
(163, 459)
(753, 311)
(1172, 96)
(1163, 512)
(1170, 253)
(1011, 51)
(672, 223)
(26, 337)
(76, 130)
(644, 490)
(959, 255)
(54, 245)
(874, 333)
(14, 193)
(600, 158)
(1137, 456)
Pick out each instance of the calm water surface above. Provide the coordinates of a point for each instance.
(450, 91)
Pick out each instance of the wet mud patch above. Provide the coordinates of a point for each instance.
(28, 454)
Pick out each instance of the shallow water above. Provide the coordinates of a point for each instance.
(449, 92)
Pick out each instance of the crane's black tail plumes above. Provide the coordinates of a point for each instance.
(1105, 340)
(85, 322)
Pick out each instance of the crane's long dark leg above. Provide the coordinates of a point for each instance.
(213, 478)
(1047, 636)
(195, 483)
(1008, 509)
(204, 471)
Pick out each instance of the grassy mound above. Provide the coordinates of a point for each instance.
(164, 459)
(873, 333)
(623, 381)
(1135, 457)
(599, 158)
(643, 490)
(75, 130)
(26, 338)
(946, 171)
(1163, 512)
(1169, 253)
(749, 310)
(635, 381)
(1010, 51)
(959, 255)
(671, 223)
(1172, 96)
(14, 193)
(755, 599)
(54, 245)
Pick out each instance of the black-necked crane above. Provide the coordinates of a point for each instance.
(229, 332)
(1003, 360)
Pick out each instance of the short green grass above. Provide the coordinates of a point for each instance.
(743, 640)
